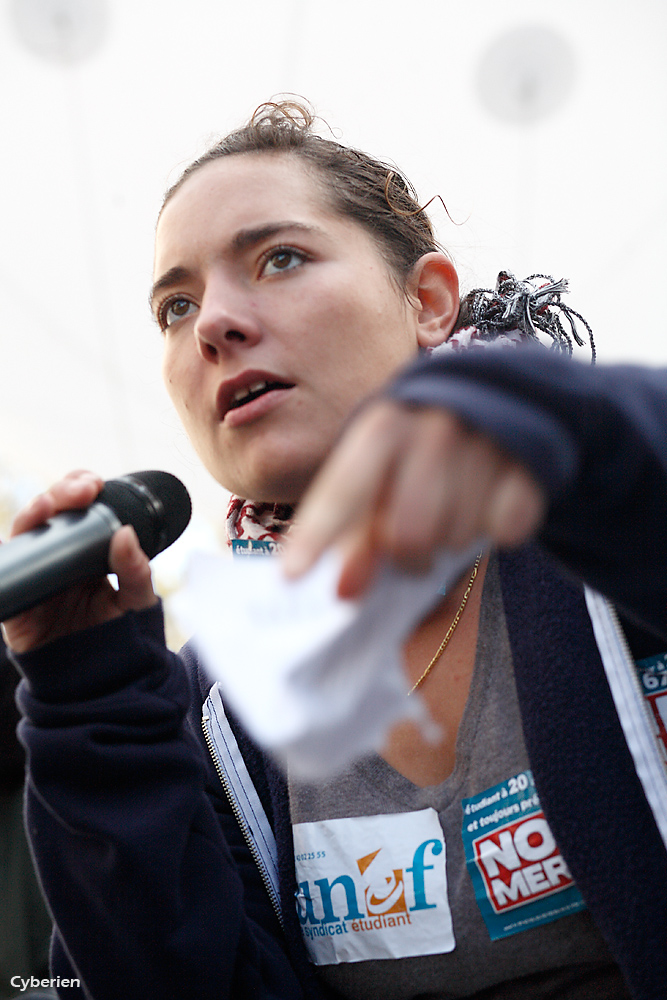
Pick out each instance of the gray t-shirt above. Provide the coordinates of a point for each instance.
(566, 953)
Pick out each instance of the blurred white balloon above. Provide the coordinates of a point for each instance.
(62, 31)
(526, 74)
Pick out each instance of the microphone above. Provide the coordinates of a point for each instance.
(74, 545)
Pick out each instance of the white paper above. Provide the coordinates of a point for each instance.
(315, 679)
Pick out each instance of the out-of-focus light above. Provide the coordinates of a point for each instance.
(526, 74)
(62, 31)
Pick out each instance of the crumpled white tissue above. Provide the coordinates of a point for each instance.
(315, 679)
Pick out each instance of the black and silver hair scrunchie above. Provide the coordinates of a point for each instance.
(528, 306)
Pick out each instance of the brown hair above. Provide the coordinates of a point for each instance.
(372, 193)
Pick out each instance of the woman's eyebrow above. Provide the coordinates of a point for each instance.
(244, 240)
(247, 238)
(174, 276)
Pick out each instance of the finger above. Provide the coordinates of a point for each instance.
(345, 490)
(38, 510)
(131, 565)
(77, 489)
(360, 561)
(454, 486)
(517, 507)
(420, 495)
(471, 480)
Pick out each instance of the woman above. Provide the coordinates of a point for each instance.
(293, 278)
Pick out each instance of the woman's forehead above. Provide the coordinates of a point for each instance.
(233, 183)
(239, 193)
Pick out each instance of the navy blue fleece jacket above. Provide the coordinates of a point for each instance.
(152, 888)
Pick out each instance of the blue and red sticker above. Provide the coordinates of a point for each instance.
(518, 873)
(652, 674)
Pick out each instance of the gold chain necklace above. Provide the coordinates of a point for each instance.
(452, 628)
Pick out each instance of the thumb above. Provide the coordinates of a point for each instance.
(130, 564)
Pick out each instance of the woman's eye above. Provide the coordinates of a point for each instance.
(173, 310)
(282, 259)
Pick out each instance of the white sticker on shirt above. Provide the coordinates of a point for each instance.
(373, 887)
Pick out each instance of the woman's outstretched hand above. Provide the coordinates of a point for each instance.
(89, 603)
(403, 482)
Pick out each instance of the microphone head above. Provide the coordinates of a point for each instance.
(156, 504)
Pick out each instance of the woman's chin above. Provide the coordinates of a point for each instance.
(276, 465)
(271, 486)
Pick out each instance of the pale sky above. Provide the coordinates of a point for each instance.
(90, 146)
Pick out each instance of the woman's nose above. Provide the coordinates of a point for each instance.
(223, 323)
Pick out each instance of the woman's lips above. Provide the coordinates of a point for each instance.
(245, 388)
(246, 393)
(253, 401)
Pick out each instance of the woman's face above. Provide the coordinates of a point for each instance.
(279, 316)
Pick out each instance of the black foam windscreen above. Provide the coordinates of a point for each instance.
(156, 503)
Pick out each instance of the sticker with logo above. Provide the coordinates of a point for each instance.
(243, 547)
(653, 678)
(518, 873)
(373, 887)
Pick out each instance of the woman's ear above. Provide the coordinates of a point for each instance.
(434, 291)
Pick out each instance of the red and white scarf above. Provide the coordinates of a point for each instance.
(260, 522)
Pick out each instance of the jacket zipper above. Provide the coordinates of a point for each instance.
(642, 743)
(630, 664)
(240, 819)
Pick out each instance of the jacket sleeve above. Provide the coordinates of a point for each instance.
(595, 437)
(147, 895)
(12, 757)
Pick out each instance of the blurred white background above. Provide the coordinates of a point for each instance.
(541, 124)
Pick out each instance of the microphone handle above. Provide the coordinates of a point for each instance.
(70, 547)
